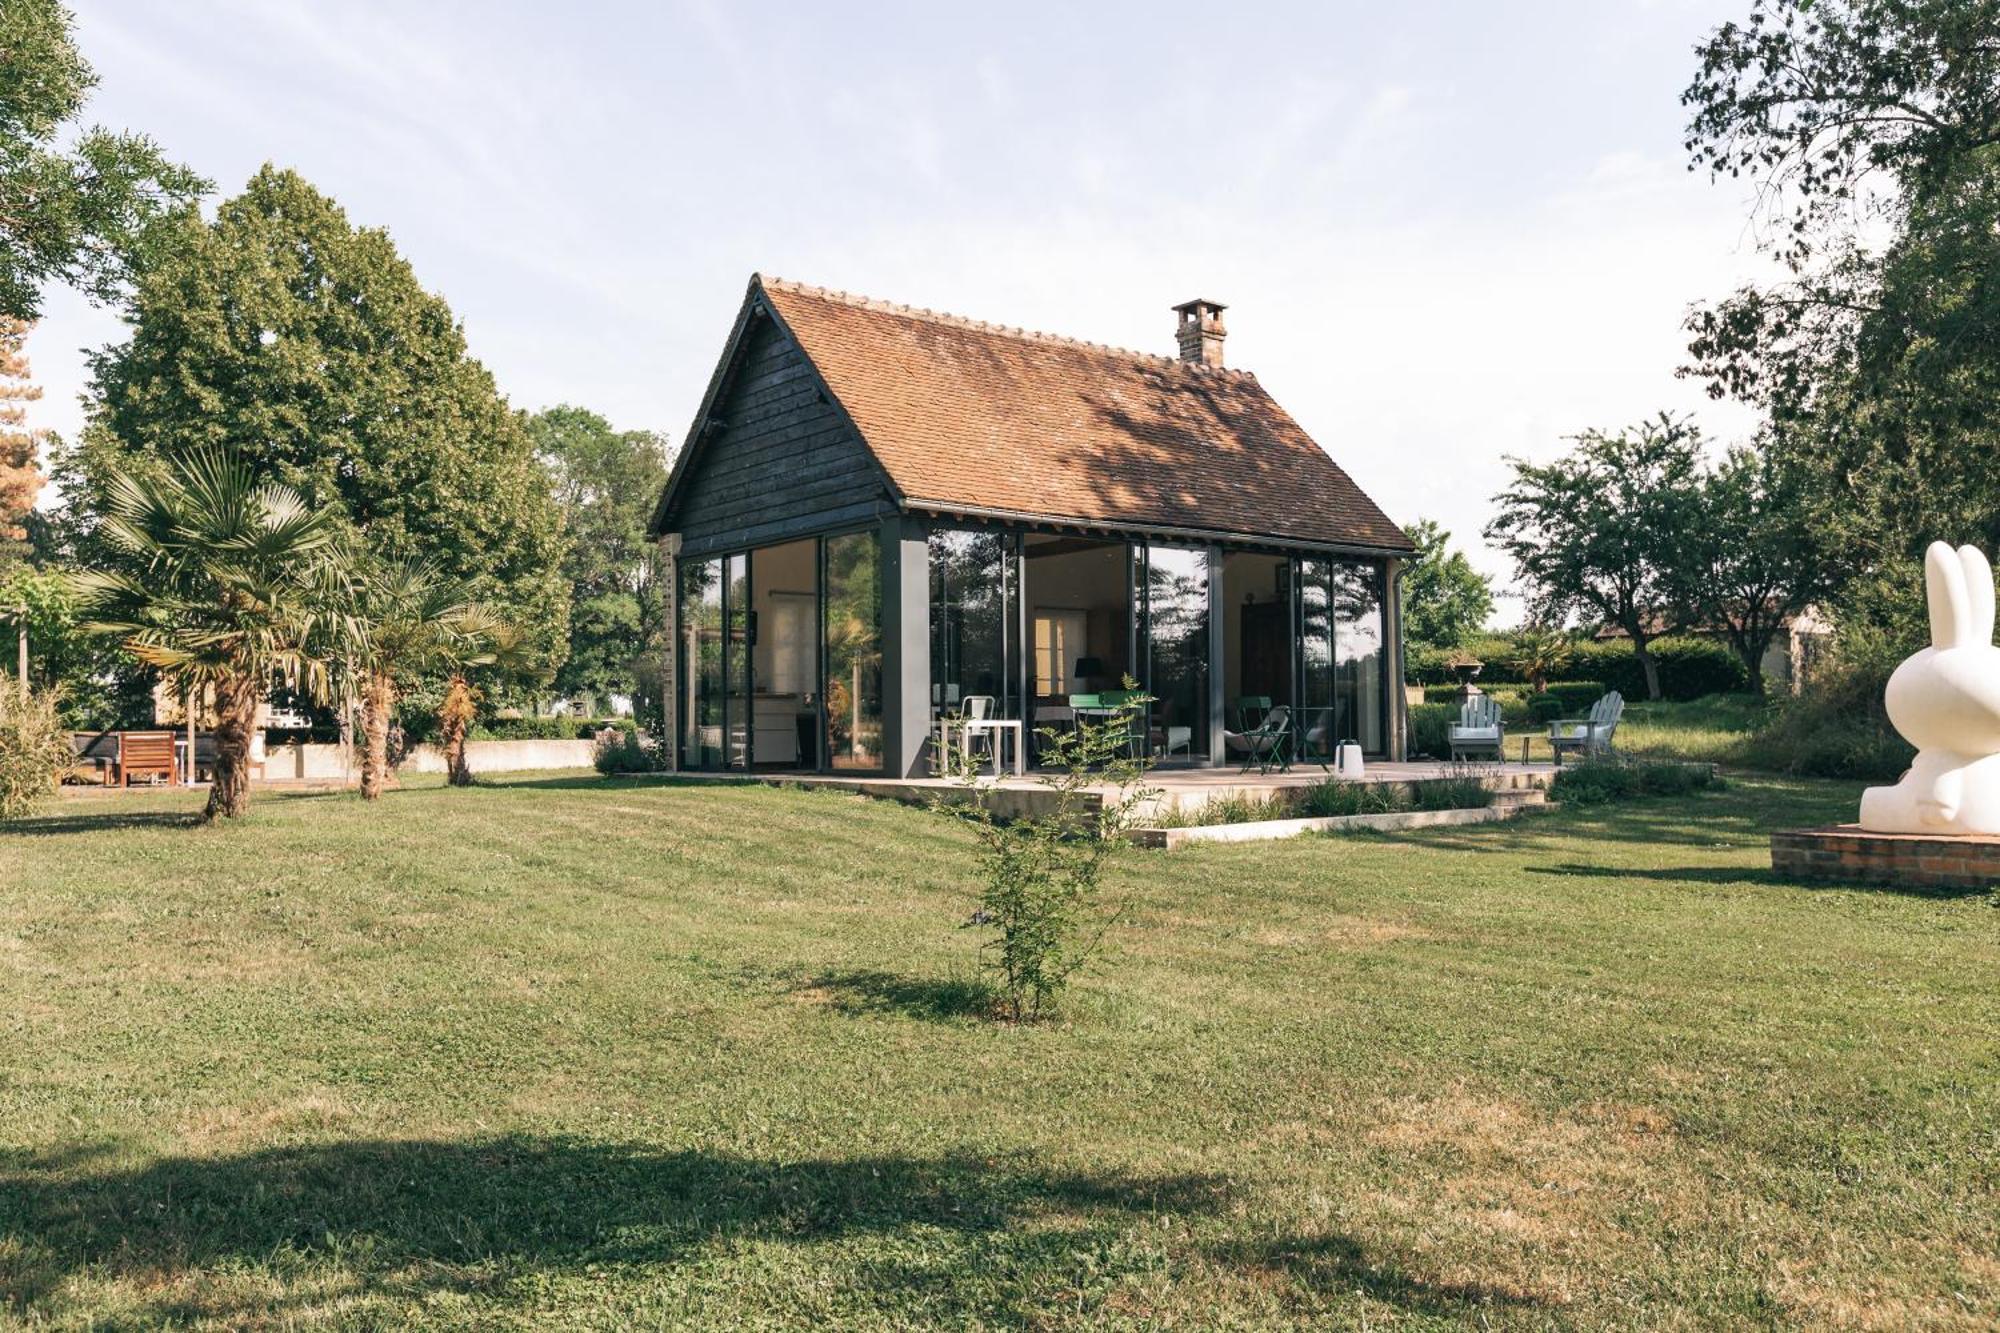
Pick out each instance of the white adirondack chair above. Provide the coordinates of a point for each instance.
(1591, 735)
(1478, 730)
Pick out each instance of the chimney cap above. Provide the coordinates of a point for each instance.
(1200, 304)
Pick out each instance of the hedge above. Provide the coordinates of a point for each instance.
(1689, 668)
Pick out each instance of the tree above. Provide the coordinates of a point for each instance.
(1600, 531)
(1753, 556)
(1445, 600)
(87, 215)
(20, 478)
(1539, 651)
(1872, 131)
(226, 589)
(606, 483)
(409, 619)
(305, 346)
(507, 656)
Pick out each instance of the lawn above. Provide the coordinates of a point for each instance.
(579, 1053)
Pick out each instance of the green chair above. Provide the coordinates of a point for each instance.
(1269, 744)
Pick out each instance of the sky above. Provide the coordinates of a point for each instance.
(1447, 232)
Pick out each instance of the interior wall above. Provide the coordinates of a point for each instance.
(1063, 575)
(1243, 574)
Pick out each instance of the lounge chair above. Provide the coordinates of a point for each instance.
(1590, 735)
(1478, 731)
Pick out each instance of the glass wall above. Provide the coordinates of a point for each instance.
(853, 631)
(1080, 622)
(974, 605)
(1360, 640)
(736, 660)
(1257, 636)
(701, 664)
(1177, 643)
(784, 655)
(1317, 725)
(1343, 635)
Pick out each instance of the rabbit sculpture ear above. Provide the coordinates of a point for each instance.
(1977, 629)
(1944, 584)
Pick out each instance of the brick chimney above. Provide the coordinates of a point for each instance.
(1200, 332)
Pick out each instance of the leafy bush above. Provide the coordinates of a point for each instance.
(1331, 798)
(1041, 895)
(1461, 789)
(34, 749)
(1430, 728)
(1689, 668)
(622, 750)
(1836, 727)
(531, 729)
(1426, 666)
(1609, 778)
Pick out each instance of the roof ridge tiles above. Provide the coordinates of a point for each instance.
(951, 320)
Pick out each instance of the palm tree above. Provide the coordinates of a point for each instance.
(231, 587)
(410, 619)
(1539, 652)
(510, 653)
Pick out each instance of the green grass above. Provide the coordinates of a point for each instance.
(1716, 729)
(587, 1053)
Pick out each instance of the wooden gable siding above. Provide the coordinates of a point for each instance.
(781, 462)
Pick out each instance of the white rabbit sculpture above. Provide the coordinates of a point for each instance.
(1946, 702)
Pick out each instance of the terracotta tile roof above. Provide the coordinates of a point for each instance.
(966, 416)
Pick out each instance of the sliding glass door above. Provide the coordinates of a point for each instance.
(1343, 638)
(1176, 609)
(701, 664)
(975, 614)
(853, 634)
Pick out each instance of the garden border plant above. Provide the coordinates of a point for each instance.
(1042, 875)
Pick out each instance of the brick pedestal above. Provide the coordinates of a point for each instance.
(1910, 860)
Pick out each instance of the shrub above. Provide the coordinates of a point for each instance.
(34, 749)
(1430, 728)
(1462, 788)
(1836, 727)
(1689, 668)
(1609, 778)
(622, 750)
(531, 729)
(1426, 665)
(1041, 895)
(1332, 797)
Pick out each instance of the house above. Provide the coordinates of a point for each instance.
(882, 512)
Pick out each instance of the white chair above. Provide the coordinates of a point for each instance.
(1478, 730)
(1591, 735)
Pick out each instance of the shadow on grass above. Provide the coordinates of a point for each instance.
(870, 992)
(1338, 1264)
(1749, 875)
(56, 826)
(594, 781)
(401, 1217)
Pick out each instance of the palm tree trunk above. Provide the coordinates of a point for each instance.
(236, 700)
(378, 701)
(454, 718)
